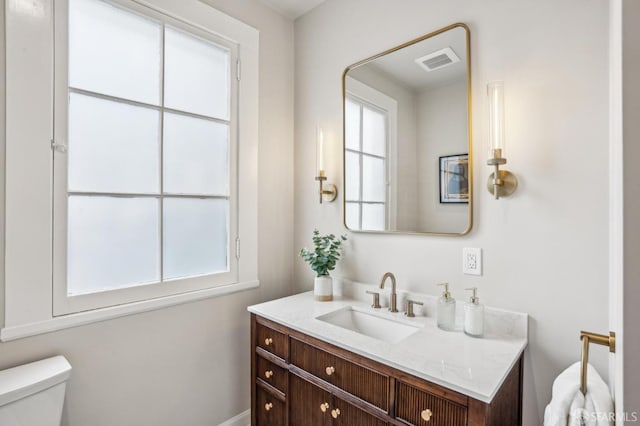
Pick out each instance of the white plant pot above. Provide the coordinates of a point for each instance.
(323, 288)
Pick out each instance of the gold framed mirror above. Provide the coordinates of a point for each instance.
(407, 138)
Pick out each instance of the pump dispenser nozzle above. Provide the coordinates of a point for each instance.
(474, 295)
(445, 293)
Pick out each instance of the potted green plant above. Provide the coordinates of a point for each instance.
(322, 260)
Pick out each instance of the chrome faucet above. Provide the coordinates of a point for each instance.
(393, 304)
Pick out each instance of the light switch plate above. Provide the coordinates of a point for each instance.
(472, 261)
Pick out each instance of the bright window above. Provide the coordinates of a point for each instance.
(152, 184)
(147, 197)
(366, 157)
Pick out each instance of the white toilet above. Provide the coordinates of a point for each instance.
(33, 394)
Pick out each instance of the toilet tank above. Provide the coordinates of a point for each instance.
(33, 394)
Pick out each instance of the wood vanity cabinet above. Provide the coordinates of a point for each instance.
(302, 381)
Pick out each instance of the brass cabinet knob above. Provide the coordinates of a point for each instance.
(330, 370)
(426, 415)
(268, 374)
(324, 407)
(268, 341)
(335, 413)
(268, 406)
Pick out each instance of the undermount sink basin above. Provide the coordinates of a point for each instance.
(369, 324)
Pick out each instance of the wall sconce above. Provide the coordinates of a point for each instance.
(328, 191)
(501, 183)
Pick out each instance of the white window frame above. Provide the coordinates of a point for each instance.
(64, 303)
(363, 93)
(29, 292)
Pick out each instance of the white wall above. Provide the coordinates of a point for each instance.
(631, 135)
(545, 248)
(188, 364)
(440, 114)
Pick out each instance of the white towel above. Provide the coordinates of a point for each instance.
(568, 407)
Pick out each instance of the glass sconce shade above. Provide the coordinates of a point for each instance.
(495, 91)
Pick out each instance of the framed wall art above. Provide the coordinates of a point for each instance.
(454, 178)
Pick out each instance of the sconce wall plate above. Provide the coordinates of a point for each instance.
(508, 184)
(331, 193)
(328, 191)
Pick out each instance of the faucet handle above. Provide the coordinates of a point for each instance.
(410, 304)
(376, 299)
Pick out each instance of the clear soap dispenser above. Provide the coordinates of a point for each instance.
(473, 315)
(446, 311)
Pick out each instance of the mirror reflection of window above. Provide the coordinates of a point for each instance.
(366, 144)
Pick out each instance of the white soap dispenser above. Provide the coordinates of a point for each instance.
(473, 315)
(446, 311)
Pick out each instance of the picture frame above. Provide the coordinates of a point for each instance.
(454, 178)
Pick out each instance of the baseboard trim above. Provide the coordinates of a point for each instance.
(242, 419)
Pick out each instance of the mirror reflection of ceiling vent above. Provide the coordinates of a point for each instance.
(438, 59)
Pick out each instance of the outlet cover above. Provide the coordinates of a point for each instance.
(472, 261)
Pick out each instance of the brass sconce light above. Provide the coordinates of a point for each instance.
(501, 183)
(328, 191)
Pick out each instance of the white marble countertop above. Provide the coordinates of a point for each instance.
(475, 367)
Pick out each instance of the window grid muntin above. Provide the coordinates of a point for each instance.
(162, 110)
(360, 153)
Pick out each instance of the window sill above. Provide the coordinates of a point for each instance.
(88, 317)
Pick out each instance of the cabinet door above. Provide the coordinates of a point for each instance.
(270, 411)
(362, 382)
(345, 414)
(308, 404)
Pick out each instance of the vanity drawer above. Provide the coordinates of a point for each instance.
(271, 340)
(270, 411)
(419, 407)
(272, 374)
(359, 381)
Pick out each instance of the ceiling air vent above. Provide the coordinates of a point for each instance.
(438, 59)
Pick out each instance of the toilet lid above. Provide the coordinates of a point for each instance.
(24, 380)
